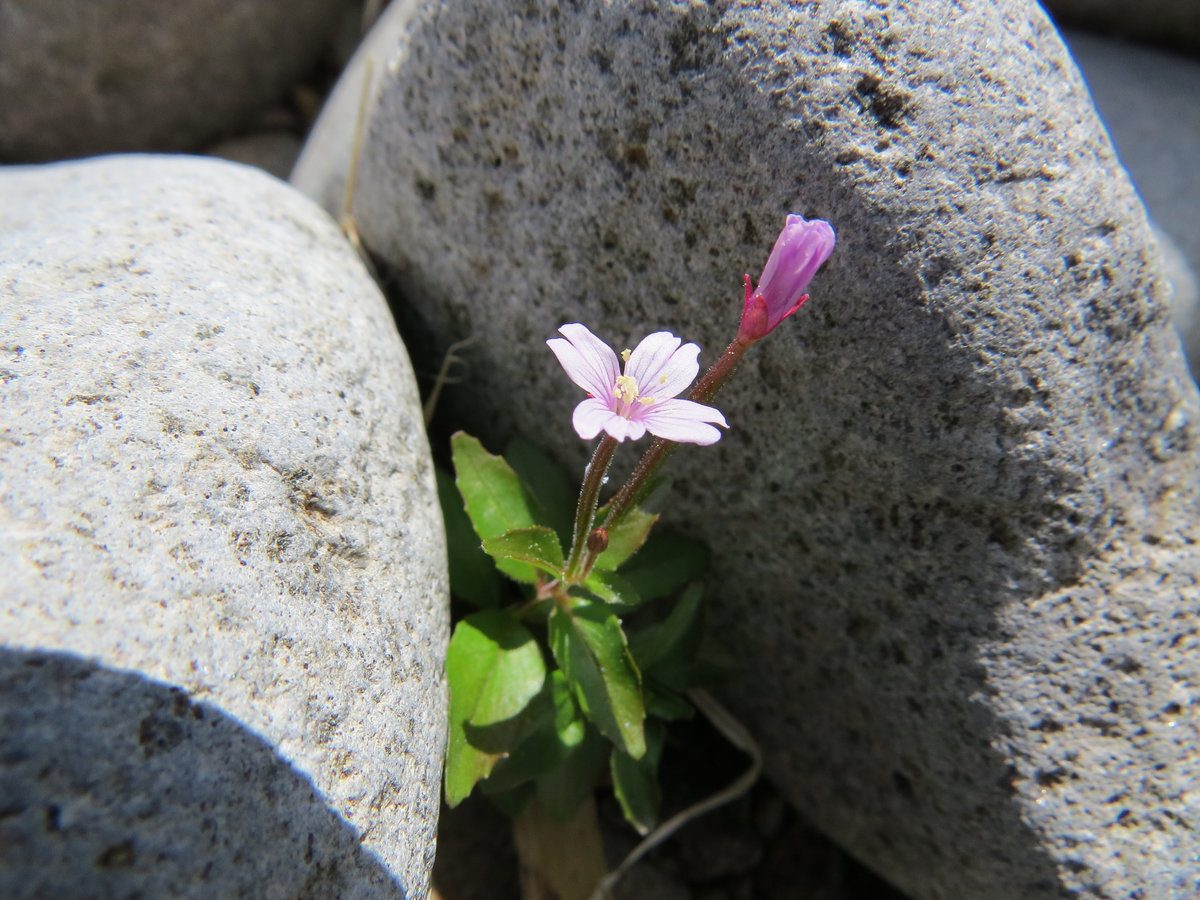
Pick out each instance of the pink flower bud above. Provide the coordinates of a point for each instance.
(801, 248)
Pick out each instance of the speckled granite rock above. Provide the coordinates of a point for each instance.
(953, 520)
(1168, 23)
(78, 79)
(223, 592)
(1148, 102)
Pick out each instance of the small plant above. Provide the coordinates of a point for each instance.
(549, 690)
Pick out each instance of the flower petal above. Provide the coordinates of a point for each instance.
(620, 428)
(587, 360)
(651, 355)
(801, 248)
(661, 367)
(679, 372)
(683, 421)
(590, 418)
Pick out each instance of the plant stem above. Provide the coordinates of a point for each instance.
(634, 489)
(585, 512)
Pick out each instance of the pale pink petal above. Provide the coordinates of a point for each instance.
(683, 421)
(587, 360)
(620, 428)
(590, 417)
(650, 356)
(679, 371)
(661, 367)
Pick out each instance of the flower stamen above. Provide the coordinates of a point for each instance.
(626, 388)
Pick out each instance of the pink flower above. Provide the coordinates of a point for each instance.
(801, 248)
(640, 400)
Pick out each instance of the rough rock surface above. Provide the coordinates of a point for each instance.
(953, 518)
(223, 594)
(78, 79)
(1168, 23)
(1147, 99)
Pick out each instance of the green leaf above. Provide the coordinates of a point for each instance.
(713, 665)
(545, 483)
(512, 801)
(663, 703)
(658, 489)
(558, 729)
(473, 575)
(635, 781)
(675, 640)
(612, 588)
(495, 668)
(494, 498)
(562, 790)
(590, 648)
(626, 538)
(537, 545)
(666, 562)
(677, 654)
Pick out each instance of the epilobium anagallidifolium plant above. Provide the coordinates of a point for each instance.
(547, 690)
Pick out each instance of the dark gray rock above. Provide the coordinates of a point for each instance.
(111, 786)
(953, 519)
(1168, 23)
(223, 592)
(83, 79)
(274, 151)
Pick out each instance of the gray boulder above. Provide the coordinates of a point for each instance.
(953, 518)
(1148, 102)
(78, 79)
(223, 594)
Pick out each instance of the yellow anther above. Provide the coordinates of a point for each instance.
(645, 401)
(625, 354)
(626, 388)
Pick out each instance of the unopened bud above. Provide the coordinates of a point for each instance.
(801, 249)
(597, 540)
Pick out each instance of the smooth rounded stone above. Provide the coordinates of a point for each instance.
(1148, 102)
(951, 521)
(1168, 23)
(79, 79)
(223, 595)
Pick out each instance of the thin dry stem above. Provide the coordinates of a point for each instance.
(734, 732)
(443, 376)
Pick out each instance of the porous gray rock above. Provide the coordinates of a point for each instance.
(84, 79)
(1168, 23)
(1147, 99)
(223, 591)
(953, 519)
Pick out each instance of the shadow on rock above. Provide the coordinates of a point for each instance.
(112, 785)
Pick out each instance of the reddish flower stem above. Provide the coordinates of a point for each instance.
(634, 489)
(585, 511)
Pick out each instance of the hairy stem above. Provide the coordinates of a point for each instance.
(585, 512)
(634, 489)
